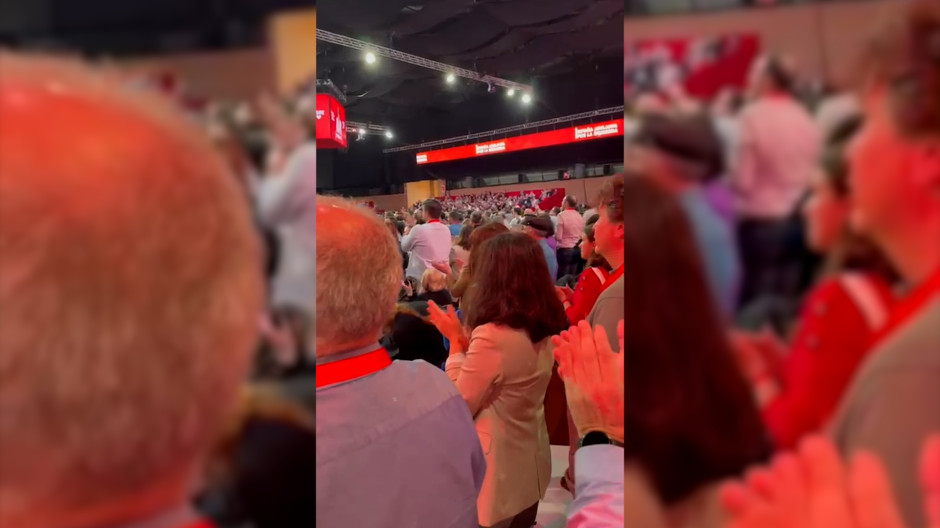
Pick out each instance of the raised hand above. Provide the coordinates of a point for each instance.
(593, 377)
(447, 323)
(815, 489)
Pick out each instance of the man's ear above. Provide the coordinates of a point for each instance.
(619, 231)
(926, 165)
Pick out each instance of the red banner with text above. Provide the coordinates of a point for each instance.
(529, 141)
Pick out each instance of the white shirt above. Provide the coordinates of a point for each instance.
(600, 492)
(287, 204)
(426, 244)
(569, 228)
(778, 152)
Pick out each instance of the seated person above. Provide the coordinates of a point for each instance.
(433, 288)
(410, 337)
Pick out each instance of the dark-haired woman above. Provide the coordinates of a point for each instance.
(578, 302)
(691, 420)
(801, 385)
(502, 366)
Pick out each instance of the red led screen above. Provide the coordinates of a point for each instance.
(530, 141)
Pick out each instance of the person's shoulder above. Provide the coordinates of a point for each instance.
(495, 333)
(614, 291)
(434, 383)
(864, 293)
(913, 344)
(828, 289)
(593, 276)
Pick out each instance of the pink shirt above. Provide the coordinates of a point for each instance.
(778, 153)
(568, 231)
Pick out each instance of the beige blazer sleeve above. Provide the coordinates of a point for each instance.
(476, 372)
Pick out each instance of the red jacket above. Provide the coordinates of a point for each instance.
(838, 322)
(589, 288)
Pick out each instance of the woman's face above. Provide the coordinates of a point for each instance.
(587, 247)
(826, 215)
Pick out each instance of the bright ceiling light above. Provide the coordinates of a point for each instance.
(511, 92)
(526, 98)
(451, 78)
(370, 57)
(362, 131)
(388, 134)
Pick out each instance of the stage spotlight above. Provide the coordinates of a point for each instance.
(370, 57)
(362, 131)
(388, 134)
(511, 92)
(526, 98)
(451, 78)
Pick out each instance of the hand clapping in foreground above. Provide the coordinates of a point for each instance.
(814, 488)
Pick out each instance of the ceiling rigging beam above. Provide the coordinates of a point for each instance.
(380, 51)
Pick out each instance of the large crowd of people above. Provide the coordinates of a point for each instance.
(191, 338)
(816, 222)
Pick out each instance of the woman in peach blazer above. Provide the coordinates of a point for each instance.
(502, 370)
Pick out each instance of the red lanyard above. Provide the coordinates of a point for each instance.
(612, 278)
(352, 368)
(911, 304)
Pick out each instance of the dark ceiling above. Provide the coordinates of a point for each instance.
(571, 51)
(137, 27)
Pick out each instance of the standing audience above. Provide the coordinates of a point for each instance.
(778, 148)
(540, 228)
(426, 243)
(568, 231)
(502, 366)
(801, 384)
(375, 416)
(893, 402)
(683, 153)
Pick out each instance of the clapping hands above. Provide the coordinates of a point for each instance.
(448, 324)
(814, 488)
(593, 377)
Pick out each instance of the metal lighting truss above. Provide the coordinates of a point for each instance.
(353, 127)
(341, 40)
(326, 85)
(509, 130)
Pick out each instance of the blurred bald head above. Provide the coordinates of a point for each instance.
(130, 284)
(359, 275)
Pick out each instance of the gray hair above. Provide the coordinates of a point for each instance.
(359, 273)
(130, 287)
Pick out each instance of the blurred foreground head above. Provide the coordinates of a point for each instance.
(130, 288)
